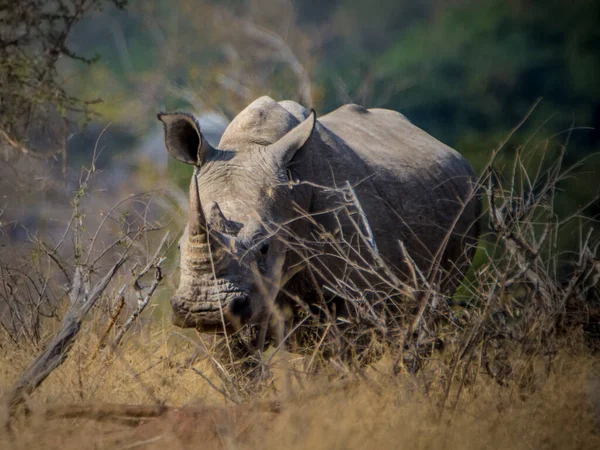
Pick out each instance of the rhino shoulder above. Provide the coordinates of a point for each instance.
(353, 110)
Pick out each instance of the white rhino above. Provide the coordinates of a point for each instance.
(287, 198)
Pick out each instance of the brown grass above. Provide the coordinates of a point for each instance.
(372, 410)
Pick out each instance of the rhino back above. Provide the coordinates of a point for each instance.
(392, 146)
(414, 185)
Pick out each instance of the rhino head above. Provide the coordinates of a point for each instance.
(231, 260)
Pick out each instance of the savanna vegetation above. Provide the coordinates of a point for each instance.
(91, 210)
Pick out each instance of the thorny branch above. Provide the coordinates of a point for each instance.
(143, 300)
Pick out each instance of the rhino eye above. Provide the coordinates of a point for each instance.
(264, 249)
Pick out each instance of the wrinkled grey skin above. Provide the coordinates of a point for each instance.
(412, 188)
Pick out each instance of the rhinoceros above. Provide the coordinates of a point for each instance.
(300, 202)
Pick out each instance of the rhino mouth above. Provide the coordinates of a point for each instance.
(201, 322)
(213, 316)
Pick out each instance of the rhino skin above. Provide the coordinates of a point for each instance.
(276, 165)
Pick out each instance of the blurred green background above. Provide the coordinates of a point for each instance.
(466, 71)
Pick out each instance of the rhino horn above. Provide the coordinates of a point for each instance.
(183, 138)
(222, 228)
(218, 221)
(285, 148)
(197, 221)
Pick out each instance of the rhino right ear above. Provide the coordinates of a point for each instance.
(285, 148)
(183, 138)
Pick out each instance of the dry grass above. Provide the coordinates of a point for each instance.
(375, 409)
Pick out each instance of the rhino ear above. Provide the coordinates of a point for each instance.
(285, 148)
(183, 138)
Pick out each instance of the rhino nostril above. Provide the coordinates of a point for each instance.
(240, 307)
(264, 249)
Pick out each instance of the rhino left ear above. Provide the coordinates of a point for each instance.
(285, 148)
(183, 138)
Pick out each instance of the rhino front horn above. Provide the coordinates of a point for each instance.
(197, 221)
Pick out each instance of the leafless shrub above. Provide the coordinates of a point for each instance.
(45, 276)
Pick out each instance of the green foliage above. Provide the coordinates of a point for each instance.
(33, 38)
(481, 65)
(477, 67)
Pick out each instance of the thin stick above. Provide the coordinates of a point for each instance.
(112, 321)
